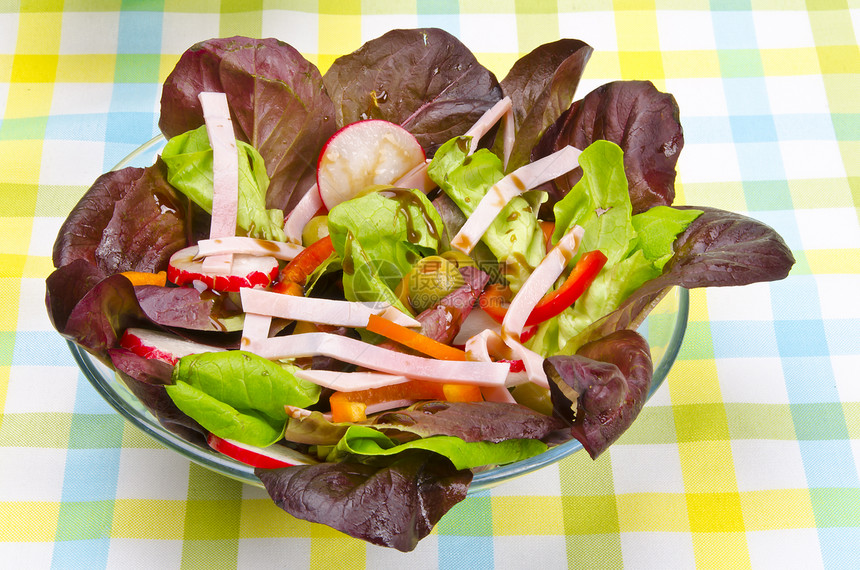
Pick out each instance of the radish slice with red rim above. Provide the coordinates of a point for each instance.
(364, 154)
(245, 271)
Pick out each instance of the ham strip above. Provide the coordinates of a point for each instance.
(381, 359)
(502, 110)
(302, 212)
(256, 327)
(350, 381)
(539, 282)
(225, 175)
(327, 311)
(497, 197)
(247, 246)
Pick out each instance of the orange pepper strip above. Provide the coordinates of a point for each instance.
(146, 278)
(344, 408)
(414, 340)
(494, 300)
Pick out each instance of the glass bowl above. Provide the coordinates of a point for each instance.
(664, 328)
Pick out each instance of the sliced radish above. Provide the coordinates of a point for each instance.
(245, 271)
(272, 457)
(364, 154)
(244, 245)
(161, 345)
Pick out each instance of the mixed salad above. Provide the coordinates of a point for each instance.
(369, 283)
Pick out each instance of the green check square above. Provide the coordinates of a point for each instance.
(740, 63)
(836, 507)
(595, 514)
(212, 520)
(49, 430)
(819, 421)
(137, 68)
(767, 195)
(7, 346)
(19, 200)
(475, 518)
(654, 425)
(697, 344)
(96, 431)
(25, 129)
(701, 422)
(84, 520)
(760, 421)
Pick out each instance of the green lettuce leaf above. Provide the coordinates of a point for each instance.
(379, 236)
(239, 395)
(189, 169)
(637, 247)
(366, 441)
(515, 236)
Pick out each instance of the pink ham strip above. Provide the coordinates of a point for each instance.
(304, 210)
(539, 282)
(256, 327)
(503, 109)
(381, 359)
(350, 381)
(497, 197)
(328, 311)
(225, 175)
(247, 246)
(417, 178)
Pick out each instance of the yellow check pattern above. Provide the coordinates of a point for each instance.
(747, 457)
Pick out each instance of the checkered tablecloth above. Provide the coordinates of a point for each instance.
(746, 457)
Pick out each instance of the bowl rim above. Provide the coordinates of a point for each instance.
(110, 387)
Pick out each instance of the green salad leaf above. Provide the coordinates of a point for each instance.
(515, 236)
(189, 169)
(239, 395)
(379, 236)
(366, 441)
(637, 247)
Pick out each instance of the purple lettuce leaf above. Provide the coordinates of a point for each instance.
(470, 421)
(128, 220)
(601, 389)
(146, 379)
(277, 99)
(718, 249)
(541, 85)
(182, 307)
(425, 80)
(355, 498)
(637, 117)
(89, 310)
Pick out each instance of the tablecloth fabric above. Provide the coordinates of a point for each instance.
(746, 457)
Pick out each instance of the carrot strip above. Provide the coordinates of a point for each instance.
(351, 406)
(413, 340)
(146, 278)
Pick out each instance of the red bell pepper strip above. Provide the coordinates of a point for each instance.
(302, 265)
(583, 274)
(495, 298)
